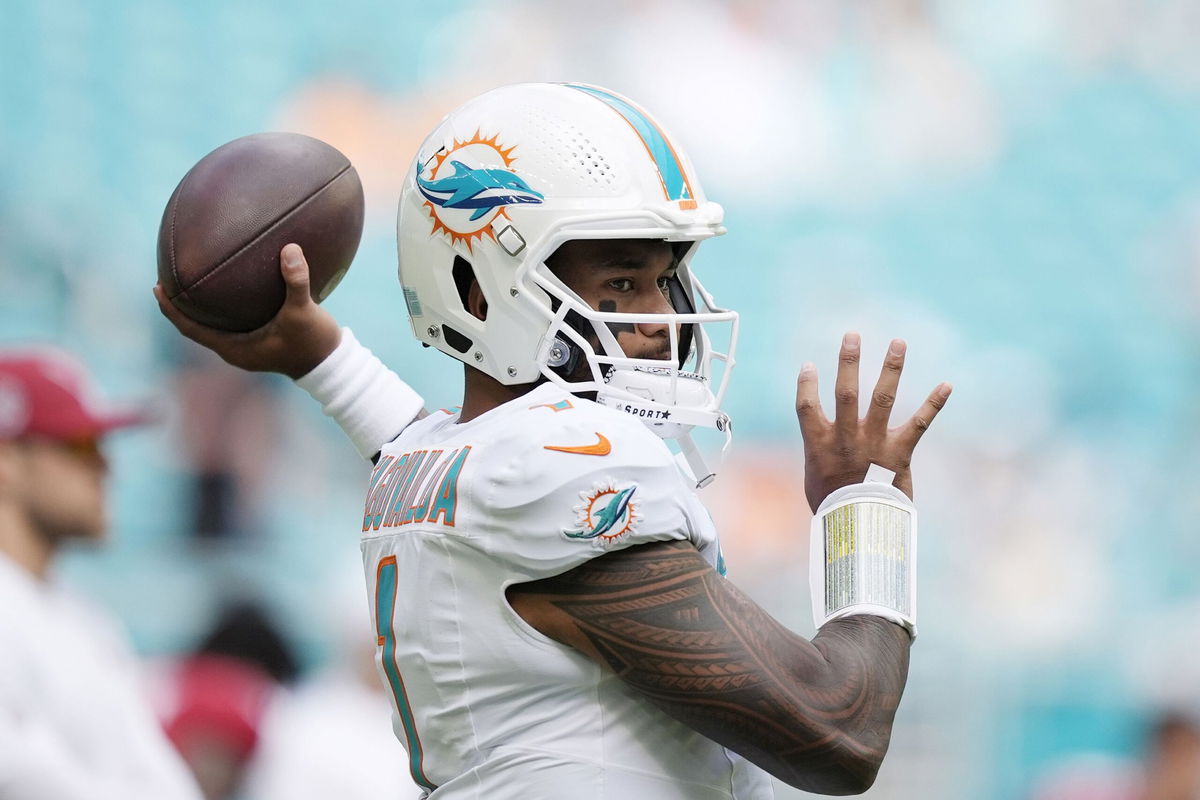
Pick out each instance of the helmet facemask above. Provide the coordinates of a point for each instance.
(581, 352)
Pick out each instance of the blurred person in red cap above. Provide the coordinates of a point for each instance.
(74, 721)
(215, 696)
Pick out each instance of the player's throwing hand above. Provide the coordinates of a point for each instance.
(837, 453)
(297, 338)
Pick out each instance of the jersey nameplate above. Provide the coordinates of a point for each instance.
(421, 486)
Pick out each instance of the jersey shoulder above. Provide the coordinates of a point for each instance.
(557, 437)
(565, 480)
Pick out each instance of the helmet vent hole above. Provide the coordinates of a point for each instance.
(590, 165)
(571, 153)
(456, 340)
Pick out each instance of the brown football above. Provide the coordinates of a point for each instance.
(223, 228)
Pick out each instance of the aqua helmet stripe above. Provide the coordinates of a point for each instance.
(674, 181)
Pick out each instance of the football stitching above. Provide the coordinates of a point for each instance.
(174, 214)
(267, 229)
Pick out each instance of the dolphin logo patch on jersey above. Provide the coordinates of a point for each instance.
(606, 513)
(468, 184)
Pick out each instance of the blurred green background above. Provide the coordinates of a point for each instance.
(1013, 187)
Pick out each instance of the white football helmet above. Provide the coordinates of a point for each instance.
(496, 188)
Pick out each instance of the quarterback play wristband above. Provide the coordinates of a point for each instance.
(863, 553)
(369, 401)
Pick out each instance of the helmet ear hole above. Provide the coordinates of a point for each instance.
(463, 274)
(464, 280)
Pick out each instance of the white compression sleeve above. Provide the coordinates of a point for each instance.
(369, 401)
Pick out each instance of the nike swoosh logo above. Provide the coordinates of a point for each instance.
(602, 447)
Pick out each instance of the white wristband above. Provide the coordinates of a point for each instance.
(863, 553)
(369, 401)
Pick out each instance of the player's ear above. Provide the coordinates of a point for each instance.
(476, 303)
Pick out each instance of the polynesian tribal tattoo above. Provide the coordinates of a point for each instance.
(609, 307)
(817, 714)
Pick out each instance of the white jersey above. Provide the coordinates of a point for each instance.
(489, 708)
(75, 723)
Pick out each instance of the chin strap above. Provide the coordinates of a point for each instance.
(672, 404)
(694, 464)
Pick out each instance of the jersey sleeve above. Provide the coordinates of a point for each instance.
(575, 489)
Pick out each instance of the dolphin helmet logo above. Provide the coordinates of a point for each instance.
(478, 189)
(468, 185)
(607, 513)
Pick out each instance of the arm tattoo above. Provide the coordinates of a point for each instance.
(816, 714)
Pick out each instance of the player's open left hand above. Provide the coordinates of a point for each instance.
(299, 337)
(837, 453)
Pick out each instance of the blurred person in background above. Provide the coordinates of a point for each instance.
(228, 424)
(75, 723)
(607, 658)
(215, 696)
(1169, 768)
(332, 737)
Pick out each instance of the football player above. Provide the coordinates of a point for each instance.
(549, 597)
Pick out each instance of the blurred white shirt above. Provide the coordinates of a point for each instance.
(75, 722)
(330, 738)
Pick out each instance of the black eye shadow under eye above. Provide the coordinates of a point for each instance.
(609, 307)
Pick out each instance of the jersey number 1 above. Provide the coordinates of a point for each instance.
(385, 610)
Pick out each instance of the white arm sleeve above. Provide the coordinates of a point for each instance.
(365, 398)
